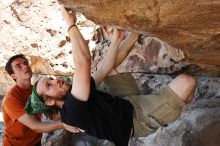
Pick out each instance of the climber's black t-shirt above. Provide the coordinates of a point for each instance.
(102, 116)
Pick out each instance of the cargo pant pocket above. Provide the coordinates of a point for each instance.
(164, 114)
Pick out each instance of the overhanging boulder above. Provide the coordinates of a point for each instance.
(190, 25)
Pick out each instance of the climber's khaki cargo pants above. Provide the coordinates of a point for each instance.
(150, 111)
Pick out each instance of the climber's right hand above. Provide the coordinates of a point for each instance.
(69, 16)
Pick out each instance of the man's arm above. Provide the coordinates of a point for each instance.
(38, 126)
(81, 58)
(108, 63)
(125, 47)
(117, 55)
(42, 127)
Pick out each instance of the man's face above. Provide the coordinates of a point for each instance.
(53, 88)
(22, 70)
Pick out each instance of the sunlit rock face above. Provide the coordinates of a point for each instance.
(190, 25)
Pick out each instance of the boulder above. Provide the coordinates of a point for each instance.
(189, 25)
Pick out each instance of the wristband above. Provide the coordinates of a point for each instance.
(71, 28)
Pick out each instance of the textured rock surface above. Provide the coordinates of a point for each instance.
(64, 138)
(190, 25)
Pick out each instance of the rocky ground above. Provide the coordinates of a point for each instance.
(1, 122)
(1, 130)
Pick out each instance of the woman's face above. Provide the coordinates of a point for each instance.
(53, 88)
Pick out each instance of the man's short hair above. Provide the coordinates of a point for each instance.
(8, 66)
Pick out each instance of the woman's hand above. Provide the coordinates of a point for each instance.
(72, 128)
(69, 16)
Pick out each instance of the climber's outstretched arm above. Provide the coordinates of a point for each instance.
(108, 63)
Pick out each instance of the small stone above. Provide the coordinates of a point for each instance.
(7, 22)
(65, 65)
(67, 38)
(34, 45)
(62, 43)
(51, 32)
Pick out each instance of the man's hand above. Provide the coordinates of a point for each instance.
(72, 128)
(118, 35)
(69, 16)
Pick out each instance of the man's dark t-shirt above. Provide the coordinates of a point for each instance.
(102, 116)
